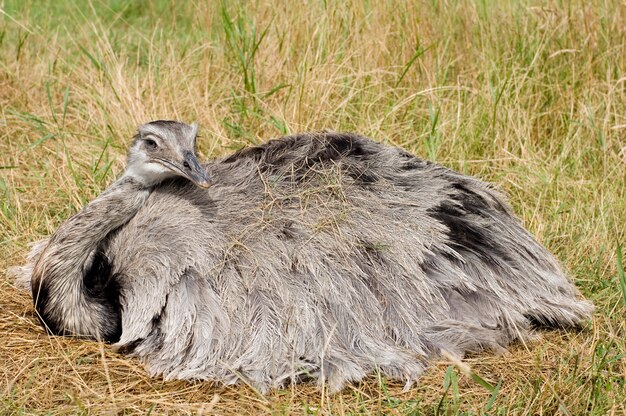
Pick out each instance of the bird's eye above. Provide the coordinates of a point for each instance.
(186, 165)
(151, 144)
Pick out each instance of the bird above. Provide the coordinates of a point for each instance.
(317, 257)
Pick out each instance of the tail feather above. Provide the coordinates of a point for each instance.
(21, 275)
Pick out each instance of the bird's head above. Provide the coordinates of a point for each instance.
(165, 149)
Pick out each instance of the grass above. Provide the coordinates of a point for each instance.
(529, 95)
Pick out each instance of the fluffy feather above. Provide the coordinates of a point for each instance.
(327, 256)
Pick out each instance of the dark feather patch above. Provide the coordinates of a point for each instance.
(463, 215)
(463, 234)
(347, 150)
(101, 287)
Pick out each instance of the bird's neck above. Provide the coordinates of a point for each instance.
(147, 174)
(64, 302)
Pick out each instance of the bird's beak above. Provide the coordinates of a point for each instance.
(188, 168)
(194, 171)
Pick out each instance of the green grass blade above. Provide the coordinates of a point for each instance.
(620, 272)
(66, 96)
(418, 52)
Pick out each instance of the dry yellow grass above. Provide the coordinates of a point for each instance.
(529, 95)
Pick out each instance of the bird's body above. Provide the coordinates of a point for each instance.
(324, 256)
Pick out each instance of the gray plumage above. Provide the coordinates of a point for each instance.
(322, 256)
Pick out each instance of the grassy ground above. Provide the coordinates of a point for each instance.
(528, 95)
